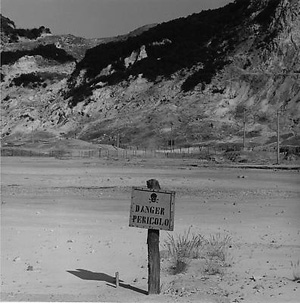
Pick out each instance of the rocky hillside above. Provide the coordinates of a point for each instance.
(193, 80)
(9, 32)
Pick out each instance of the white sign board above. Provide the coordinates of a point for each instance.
(152, 209)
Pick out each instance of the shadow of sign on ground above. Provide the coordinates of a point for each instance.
(98, 276)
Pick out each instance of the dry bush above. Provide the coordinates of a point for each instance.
(296, 270)
(217, 247)
(216, 254)
(213, 267)
(182, 248)
(214, 250)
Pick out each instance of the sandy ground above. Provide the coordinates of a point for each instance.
(64, 231)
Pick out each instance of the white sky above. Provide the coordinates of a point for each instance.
(99, 18)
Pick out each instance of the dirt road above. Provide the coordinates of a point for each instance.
(64, 231)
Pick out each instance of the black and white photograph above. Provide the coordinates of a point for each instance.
(150, 151)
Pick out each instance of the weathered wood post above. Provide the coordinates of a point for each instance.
(153, 252)
(117, 279)
(153, 209)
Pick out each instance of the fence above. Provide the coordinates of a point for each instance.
(209, 152)
(92, 153)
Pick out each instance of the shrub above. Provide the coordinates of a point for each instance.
(33, 33)
(8, 27)
(205, 75)
(217, 247)
(182, 248)
(173, 46)
(6, 98)
(253, 133)
(27, 79)
(214, 251)
(213, 267)
(239, 111)
(49, 51)
(263, 118)
(296, 270)
(216, 254)
(268, 12)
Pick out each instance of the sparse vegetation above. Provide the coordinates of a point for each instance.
(183, 46)
(253, 133)
(6, 98)
(213, 267)
(9, 29)
(49, 51)
(296, 270)
(182, 248)
(266, 14)
(262, 118)
(37, 79)
(239, 111)
(214, 251)
(30, 79)
(204, 39)
(217, 247)
(33, 33)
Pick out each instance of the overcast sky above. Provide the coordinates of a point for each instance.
(99, 18)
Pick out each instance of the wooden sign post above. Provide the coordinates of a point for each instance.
(153, 251)
(153, 209)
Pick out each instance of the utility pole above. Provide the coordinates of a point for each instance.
(171, 138)
(244, 131)
(118, 139)
(32, 139)
(278, 135)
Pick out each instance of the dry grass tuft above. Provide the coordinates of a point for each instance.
(296, 270)
(181, 249)
(214, 250)
(218, 247)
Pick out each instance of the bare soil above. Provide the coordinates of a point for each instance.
(64, 231)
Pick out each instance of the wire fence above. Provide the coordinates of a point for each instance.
(100, 153)
(208, 152)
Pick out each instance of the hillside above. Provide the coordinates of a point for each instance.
(9, 32)
(194, 80)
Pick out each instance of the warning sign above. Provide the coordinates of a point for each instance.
(152, 209)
